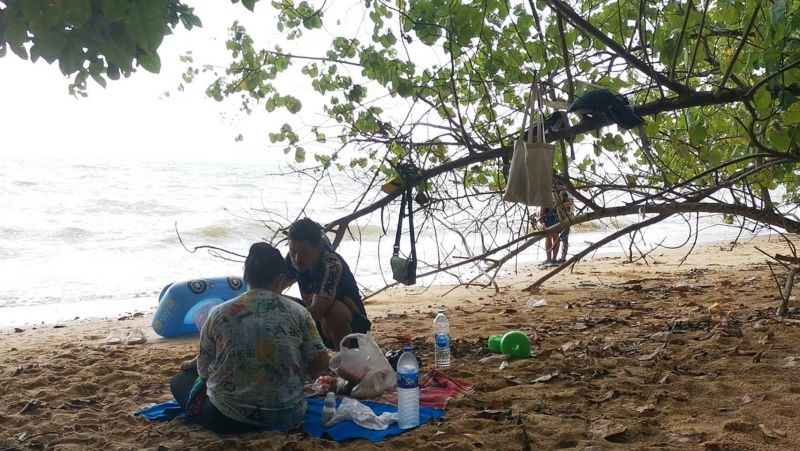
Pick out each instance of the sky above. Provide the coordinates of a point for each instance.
(132, 118)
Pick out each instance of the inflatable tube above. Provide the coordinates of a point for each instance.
(184, 306)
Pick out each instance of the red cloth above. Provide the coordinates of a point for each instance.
(435, 389)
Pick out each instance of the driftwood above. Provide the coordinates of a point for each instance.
(786, 290)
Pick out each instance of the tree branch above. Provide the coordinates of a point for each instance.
(579, 22)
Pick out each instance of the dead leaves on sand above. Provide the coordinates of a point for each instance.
(32, 405)
(607, 430)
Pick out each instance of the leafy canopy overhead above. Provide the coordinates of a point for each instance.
(724, 77)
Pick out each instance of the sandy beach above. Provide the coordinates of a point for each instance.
(642, 355)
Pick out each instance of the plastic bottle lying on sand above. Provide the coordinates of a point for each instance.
(407, 390)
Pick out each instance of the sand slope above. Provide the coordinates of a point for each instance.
(630, 356)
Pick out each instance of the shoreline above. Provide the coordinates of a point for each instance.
(386, 303)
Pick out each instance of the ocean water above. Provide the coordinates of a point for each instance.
(94, 238)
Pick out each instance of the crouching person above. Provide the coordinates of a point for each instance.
(255, 352)
(327, 285)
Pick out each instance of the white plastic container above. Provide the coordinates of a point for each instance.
(407, 390)
(441, 340)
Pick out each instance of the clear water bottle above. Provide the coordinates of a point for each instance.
(441, 338)
(407, 390)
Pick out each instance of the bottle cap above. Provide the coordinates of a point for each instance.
(407, 349)
(441, 310)
(330, 397)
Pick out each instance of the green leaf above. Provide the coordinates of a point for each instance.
(146, 23)
(114, 10)
(99, 79)
(33, 11)
(405, 87)
(151, 62)
(763, 101)
(292, 104)
(299, 154)
(778, 15)
(780, 138)
(71, 59)
(76, 12)
(16, 34)
(792, 115)
(698, 132)
(50, 46)
(249, 4)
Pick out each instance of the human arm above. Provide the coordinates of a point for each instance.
(313, 350)
(319, 365)
(189, 364)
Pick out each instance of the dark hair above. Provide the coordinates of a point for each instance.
(263, 264)
(306, 230)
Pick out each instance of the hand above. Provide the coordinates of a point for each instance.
(189, 364)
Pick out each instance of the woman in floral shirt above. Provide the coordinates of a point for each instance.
(255, 352)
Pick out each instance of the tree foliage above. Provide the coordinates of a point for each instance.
(718, 84)
(91, 38)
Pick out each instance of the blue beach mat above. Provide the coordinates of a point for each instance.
(312, 423)
(347, 430)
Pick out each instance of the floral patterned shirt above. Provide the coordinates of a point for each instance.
(254, 352)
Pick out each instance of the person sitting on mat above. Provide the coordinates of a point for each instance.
(327, 286)
(255, 351)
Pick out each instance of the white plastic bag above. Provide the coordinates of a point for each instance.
(365, 366)
(350, 409)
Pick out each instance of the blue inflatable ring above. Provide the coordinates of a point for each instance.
(183, 305)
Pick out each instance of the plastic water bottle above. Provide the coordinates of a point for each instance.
(407, 390)
(441, 338)
(329, 408)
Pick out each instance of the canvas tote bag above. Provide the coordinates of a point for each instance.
(530, 178)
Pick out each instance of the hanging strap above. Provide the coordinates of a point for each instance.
(537, 113)
(406, 202)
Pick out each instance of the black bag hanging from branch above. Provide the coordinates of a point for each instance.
(404, 270)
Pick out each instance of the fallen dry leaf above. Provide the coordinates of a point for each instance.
(495, 358)
(17, 330)
(545, 378)
(509, 311)
(570, 346)
(738, 426)
(791, 361)
(605, 429)
(647, 410)
(771, 433)
(653, 354)
(513, 380)
(32, 405)
(494, 404)
(678, 396)
(748, 398)
(442, 436)
(602, 397)
(683, 439)
(544, 355)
